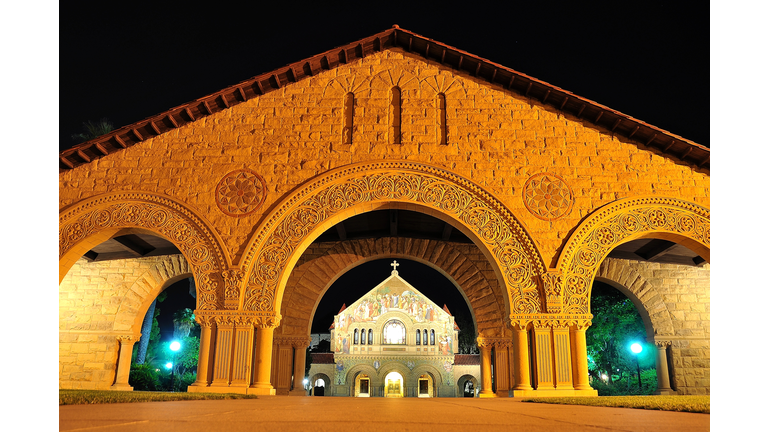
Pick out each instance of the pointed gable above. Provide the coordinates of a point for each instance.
(393, 294)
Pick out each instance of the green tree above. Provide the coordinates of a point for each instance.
(93, 130)
(615, 326)
(183, 322)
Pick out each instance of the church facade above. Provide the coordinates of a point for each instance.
(394, 342)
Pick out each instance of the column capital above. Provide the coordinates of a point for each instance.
(256, 319)
(492, 342)
(552, 320)
(661, 343)
(294, 340)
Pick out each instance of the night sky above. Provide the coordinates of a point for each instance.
(649, 59)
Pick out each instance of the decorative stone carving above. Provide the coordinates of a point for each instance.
(553, 291)
(232, 281)
(155, 213)
(240, 193)
(611, 225)
(238, 318)
(387, 181)
(547, 196)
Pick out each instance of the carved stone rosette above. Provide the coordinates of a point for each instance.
(291, 223)
(614, 224)
(240, 193)
(547, 196)
(156, 213)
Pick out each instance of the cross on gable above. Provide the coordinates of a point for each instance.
(394, 265)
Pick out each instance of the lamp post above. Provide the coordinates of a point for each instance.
(175, 346)
(637, 349)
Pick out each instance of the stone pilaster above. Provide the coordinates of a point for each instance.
(299, 366)
(662, 368)
(204, 362)
(485, 346)
(264, 339)
(522, 371)
(124, 362)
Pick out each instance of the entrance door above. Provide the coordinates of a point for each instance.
(393, 385)
(364, 387)
(423, 388)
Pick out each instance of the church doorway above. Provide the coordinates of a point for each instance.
(319, 388)
(425, 386)
(393, 385)
(363, 386)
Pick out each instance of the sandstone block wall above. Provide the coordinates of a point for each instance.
(676, 299)
(496, 139)
(99, 301)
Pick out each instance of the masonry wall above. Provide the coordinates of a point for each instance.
(677, 299)
(495, 138)
(101, 301)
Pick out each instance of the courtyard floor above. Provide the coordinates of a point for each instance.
(293, 413)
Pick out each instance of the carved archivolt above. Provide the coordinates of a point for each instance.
(156, 213)
(617, 223)
(360, 186)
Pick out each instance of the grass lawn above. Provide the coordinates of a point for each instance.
(695, 404)
(78, 397)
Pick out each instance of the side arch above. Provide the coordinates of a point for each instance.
(94, 220)
(358, 188)
(643, 294)
(620, 222)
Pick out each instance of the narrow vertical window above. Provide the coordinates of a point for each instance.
(349, 115)
(394, 116)
(357, 337)
(432, 338)
(418, 337)
(442, 126)
(370, 337)
(362, 337)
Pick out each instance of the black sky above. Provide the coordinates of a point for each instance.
(649, 59)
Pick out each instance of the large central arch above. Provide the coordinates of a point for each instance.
(359, 188)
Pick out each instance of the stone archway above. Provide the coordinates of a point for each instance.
(346, 191)
(619, 222)
(96, 219)
(462, 381)
(101, 309)
(314, 274)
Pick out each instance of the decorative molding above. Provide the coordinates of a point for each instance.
(291, 223)
(614, 224)
(239, 318)
(553, 290)
(156, 213)
(547, 196)
(240, 193)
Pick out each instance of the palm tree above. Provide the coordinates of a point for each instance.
(92, 130)
(183, 321)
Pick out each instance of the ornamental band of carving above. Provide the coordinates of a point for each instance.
(157, 214)
(611, 226)
(386, 182)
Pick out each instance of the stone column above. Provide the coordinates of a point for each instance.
(485, 368)
(542, 351)
(521, 362)
(580, 365)
(124, 362)
(207, 325)
(264, 338)
(501, 371)
(662, 369)
(299, 364)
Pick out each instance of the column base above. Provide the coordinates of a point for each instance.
(262, 390)
(217, 389)
(121, 387)
(668, 392)
(299, 392)
(487, 395)
(554, 393)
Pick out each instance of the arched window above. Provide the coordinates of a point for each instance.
(349, 115)
(418, 337)
(442, 127)
(394, 333)
(362, 337)
(370, 337)
(394, 116)
(432, 338)
(357, 337)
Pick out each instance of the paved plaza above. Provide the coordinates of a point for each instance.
(291, 413)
